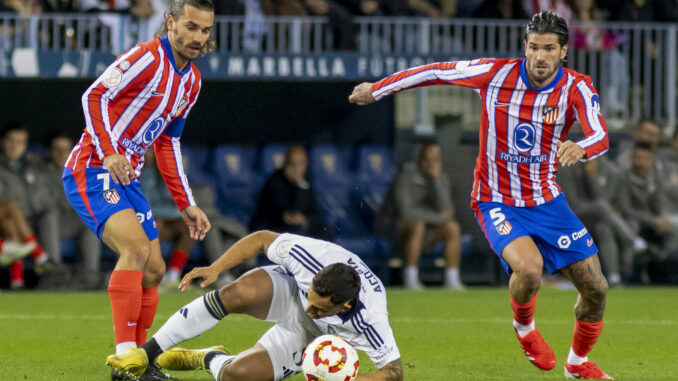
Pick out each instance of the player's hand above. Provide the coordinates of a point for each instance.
(120, 168)
(362, 94)
(198, 224)
(569, 153)
(208, 275)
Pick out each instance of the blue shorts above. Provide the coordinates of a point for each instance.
(559, 235)
(95, 197)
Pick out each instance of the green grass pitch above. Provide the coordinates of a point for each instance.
(442, 335)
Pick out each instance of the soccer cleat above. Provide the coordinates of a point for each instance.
(585, 371)
(132, 363)
(12, 250)
(187, 359)
(153, 373)
(537, 350)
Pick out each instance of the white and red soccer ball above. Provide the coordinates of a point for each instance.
(330, 358)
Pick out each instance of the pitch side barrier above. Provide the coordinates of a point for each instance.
(633, 65)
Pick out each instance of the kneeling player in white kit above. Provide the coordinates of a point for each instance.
(316, 287)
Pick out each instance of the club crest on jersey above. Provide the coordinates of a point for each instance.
(111, 196)
(182, 105)
(504, 228)
(550, 114)
(284, 248)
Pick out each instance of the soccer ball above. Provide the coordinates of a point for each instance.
(330, 358)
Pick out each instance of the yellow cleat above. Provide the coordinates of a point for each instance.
(133, 362)
(186, 359)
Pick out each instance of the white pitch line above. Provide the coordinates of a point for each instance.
(393, 320)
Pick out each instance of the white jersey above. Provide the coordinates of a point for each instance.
(366, 325)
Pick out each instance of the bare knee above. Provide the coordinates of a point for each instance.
(234, 372)
(153, 273)
(596, 291)
(235, 296)
(529, 275)
(412, 229)
(137, 252)
(452, 230)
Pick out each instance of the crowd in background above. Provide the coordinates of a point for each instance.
(572, 10)
(628, 200)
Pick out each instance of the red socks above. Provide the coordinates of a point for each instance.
(149, 304)
(38, 252)
(585, 336)
(125, 292)
(523, 312)
(179, 259)
(16, 274)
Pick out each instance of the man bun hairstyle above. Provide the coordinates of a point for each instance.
(339, 281)
(548, 22)
(176, 8)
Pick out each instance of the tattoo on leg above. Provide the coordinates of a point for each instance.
(592, 286)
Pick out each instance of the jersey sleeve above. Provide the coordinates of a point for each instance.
(375, 338)
(473, 74)
(168, 156)
(293, 252)
(127, 72)
(587, 106)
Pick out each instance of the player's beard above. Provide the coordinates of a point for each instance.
(186, 52)
(541, 78)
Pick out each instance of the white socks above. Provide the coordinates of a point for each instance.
(523, 329)
(452, 276)
(412, 277)
(218, 363)
(172, 275)
(573, 359)
(123, 347)
(187, 323)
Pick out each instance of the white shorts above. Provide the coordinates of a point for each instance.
(294, 329)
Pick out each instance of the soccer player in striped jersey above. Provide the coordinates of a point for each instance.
(529, 105)
(141, 100)
(314, 288)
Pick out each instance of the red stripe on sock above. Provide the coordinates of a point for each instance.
(124, 290)
(179, 259)
(523, 312)
(149, 305)
(585, 336)
(38, 251)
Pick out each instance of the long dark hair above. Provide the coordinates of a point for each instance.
(176, 9)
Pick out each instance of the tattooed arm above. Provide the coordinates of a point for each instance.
(392, 371)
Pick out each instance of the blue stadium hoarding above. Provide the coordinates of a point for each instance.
(328, 66)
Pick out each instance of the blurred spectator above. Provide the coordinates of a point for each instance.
(171, 226)
(591, 189)
(115, 6)
(561, 7)
(669, 158)
(501, 9)
(58, 6)
(363, 7)
(89, 276)
(14, 229)
(340, 20)
(418, 209)
(22, 7)
(648, 132)
(24, 181)
(642, 202)
(287, 202)
(435, 8)
(632, 10)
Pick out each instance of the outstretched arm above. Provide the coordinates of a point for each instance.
(392, 371)
(241, 251)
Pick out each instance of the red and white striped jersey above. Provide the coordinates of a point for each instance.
(519, 126)
(141, 99)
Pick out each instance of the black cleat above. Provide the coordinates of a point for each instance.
(153, 373)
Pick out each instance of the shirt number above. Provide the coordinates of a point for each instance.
(497, 216)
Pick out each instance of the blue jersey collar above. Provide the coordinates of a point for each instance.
(352, 312)
(170, 55)
(523, 75)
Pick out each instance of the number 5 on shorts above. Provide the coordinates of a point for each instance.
(497, 216)
(107, 180)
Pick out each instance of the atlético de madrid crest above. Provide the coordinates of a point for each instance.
(550, 114)
(111, 196)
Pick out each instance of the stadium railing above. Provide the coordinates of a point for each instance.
(633, 65)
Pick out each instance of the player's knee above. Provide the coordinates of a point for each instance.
(530, 276)
(599, 291)
(234, 296)
(452, 230)
(412, 228)
(139, 252)
(153, 273)
(234, 372)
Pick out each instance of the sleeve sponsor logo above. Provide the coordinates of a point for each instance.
(112, 78)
